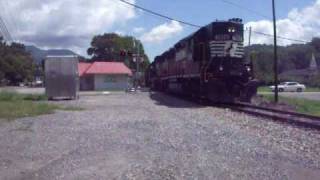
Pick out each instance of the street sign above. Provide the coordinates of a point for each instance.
(135, 58)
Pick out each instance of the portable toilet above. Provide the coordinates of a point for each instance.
(61, 77)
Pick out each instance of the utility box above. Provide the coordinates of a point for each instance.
(61, 77)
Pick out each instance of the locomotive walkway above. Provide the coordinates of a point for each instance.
(155, 136)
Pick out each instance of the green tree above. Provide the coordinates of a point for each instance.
(108, 47)
(293, 57)
(16, 65)
(315, 43)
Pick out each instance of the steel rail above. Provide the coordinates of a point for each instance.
(317, 118)
(290, 117)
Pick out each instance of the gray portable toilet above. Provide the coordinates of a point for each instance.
(61, 77)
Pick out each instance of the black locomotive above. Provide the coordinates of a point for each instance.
(208, 64)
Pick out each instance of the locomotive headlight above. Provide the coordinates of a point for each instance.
(221, 68)
(248, 69)
(231, 29)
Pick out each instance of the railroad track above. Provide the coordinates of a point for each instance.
(290, 117)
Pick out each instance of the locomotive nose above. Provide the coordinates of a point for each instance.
(249, 90)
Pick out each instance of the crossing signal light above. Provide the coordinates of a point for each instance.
(123, 53)
(129, 53)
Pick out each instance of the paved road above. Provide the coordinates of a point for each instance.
(154, 136)
(40, 90)
(26, 90)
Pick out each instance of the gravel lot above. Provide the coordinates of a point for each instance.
(154, 136)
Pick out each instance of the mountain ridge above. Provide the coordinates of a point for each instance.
(39, 54)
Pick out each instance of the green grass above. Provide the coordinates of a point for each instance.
(308, 89)
(13, 105)
(312, 89)
(11, 96)
(71, 108)
(17, 109)
(264, 89)
(302, 105)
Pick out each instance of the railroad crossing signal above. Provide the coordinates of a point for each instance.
(137, 58)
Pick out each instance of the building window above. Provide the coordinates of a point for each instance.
(109, 79)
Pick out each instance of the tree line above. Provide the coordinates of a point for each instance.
(114, 47)
(292, 57)
(16, 65)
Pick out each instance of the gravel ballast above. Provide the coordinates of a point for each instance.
(155, 136)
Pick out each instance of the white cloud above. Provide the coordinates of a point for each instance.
(162, 32)
(301, 24)
(65, 23)
(119, 32)
(138, 29)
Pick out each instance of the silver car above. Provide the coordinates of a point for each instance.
(289, 87)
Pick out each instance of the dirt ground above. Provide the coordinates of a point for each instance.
(154, 136)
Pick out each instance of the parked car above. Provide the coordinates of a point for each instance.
(36, 83)
(289, 87)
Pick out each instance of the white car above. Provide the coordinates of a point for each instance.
(289, 87)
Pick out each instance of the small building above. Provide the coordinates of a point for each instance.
(61, 77)
(104, 76)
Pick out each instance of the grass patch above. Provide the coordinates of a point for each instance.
(312, 89)
(308, 89)
(14, 105)
(17, 109)
(302, 105)
(264, 89)
(11, 96)
(71, 108)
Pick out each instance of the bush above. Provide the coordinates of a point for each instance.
(315, 81)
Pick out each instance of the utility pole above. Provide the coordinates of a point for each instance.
(250, 31)
(249, 44)
(137, 57)
(138, 61)
(275, 63)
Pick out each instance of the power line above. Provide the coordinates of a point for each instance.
(9, 15)
(4, 30)
(280, 37)
(245, 8)
(1, 33)
(198, 26)
(262, 15)
(160, 15)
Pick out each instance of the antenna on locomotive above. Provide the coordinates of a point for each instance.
(236, 20)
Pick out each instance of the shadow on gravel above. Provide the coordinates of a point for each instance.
(173, 101)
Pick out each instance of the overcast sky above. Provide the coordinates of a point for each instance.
(72, 23)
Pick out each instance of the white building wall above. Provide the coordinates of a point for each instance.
(111, 82)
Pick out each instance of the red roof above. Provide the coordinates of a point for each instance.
(83, 67)
(104, 68)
